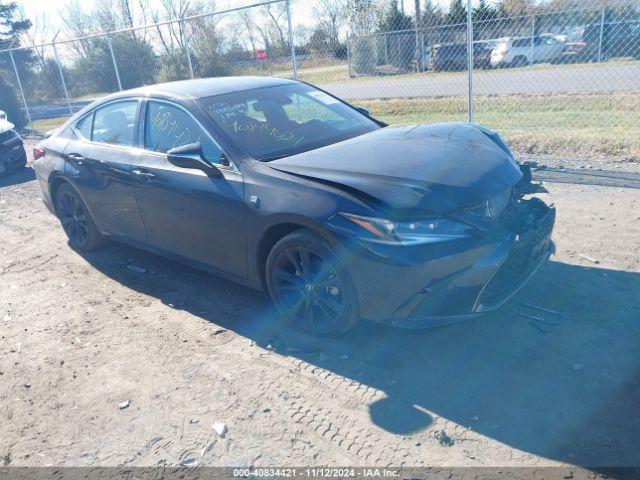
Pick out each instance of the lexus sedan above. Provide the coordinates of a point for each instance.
(285, 188)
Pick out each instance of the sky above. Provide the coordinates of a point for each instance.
(302, 8)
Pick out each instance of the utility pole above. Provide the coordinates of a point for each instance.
(418, 37)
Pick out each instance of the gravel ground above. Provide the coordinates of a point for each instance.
(83, 333)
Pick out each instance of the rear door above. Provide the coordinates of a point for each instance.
(186, 212)
(98, 160)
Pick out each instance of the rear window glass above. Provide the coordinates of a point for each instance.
(522, 42)
(114, 123)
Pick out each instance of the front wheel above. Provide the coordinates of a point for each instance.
(76, 221)
(310, 285)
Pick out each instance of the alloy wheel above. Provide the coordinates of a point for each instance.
(308, 287)
(73, 218)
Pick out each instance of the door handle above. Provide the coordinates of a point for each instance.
(142, 174)
(76, 158)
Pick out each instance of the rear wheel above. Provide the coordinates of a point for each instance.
(76, 220)
(520, 61)
(310, 285)
(23, 158)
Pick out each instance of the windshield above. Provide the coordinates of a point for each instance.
(279, 121)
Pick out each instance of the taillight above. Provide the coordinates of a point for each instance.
(38, 152)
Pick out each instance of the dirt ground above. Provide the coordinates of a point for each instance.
(81, 334)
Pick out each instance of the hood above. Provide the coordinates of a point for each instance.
(433, 168)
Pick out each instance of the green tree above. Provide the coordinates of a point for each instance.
(432, 15)
(94, 73)
(11, 29)
(457, 13)
(515, 8)
(399, 45)
(393, 19)
(483, 12)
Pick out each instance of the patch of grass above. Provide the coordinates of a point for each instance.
(572, 125)
(48, 123)
(340, 73)
(569, 125)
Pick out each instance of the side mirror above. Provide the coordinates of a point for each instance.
(363, 111)
(190, 156)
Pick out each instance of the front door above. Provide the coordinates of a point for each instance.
(185, 211)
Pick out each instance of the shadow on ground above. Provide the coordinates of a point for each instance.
(17, 177)
(568, 392)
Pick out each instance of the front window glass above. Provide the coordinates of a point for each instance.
(168, 126)
(114, 123)
(279, 121)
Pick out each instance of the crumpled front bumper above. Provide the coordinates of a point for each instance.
(12, 153)
(444, 284)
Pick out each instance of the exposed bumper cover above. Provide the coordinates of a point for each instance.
(447, 284)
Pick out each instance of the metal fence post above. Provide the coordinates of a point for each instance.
(24, 100)
(602, 17)
(470, 64)
(349, 55)
(183, 32)
(292, 47)
(532, 46)
(418, 44)
(115, 65)
(386, 49)
(64, 84)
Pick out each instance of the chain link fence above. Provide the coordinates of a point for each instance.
(549, 78)
(59, 78)
(553, 77)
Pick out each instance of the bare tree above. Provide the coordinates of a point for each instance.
(248, 23)
(41, 32)
(330, 15)
(276, 16)
(363, 16)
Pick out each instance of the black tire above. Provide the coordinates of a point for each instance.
(309, 284)
(76, 220)
(23, 159)
(520, 62)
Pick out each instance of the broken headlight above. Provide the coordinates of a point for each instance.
(410, 233)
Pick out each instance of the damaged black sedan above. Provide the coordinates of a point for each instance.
(285, 188)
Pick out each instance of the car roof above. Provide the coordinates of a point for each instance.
(202, 87)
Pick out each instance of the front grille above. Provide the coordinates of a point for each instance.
(523, 257)
(5, 136)
(8, 140)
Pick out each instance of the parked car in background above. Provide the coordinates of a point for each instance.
(521, 51)
(12, 154)
(454, 56)
(619, 39)
(282, 187)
